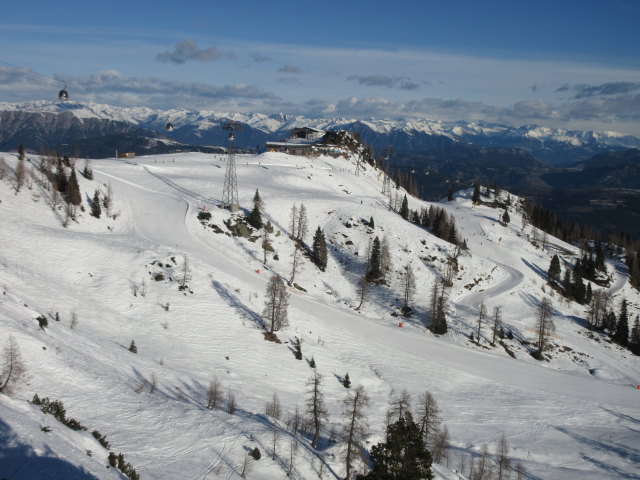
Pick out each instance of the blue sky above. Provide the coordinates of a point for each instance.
(561, 64)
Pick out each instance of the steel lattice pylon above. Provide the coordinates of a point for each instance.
(386, 182)
(230, 189)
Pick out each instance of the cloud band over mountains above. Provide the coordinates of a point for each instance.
(615, 103)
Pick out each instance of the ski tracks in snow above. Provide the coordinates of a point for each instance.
(514, 278)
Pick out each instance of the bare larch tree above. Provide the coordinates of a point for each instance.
(316, 409)
(545, 325)
(355, 428)
(13, 368)
(276, 304)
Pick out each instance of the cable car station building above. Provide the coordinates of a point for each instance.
(304, 142)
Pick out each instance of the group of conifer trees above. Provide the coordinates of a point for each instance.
(572, 282)
(435, 218)
(547, 221)
(633, 262)
(413, 440)
(601, 316)
(58, 176)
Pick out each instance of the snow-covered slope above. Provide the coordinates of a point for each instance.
(573, 415)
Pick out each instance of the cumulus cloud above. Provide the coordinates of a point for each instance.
(615, 108)
(111, 87)
(113, 81)
(403, 83)
(290, 69)
(602, 111)
(259, 58)
(290, 81)
(605, 89)
(189, 50)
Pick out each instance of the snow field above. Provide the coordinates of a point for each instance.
(560, 420)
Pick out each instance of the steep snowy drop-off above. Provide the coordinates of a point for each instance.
(574, 415)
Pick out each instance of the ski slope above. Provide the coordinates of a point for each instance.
(574, 415)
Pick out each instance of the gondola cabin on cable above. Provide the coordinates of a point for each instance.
(169, 127)
(63, 95)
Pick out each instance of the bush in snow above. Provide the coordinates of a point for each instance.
(42, 321)
(255, 453)
(204, 216)
(297, 345)
(102, 439)
(56, 408)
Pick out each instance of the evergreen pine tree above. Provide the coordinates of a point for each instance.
(255, 217)
(566, 283)
(475, 198)
(404, 209)
(257, 200)
(554, 269)
(374, 273)
(600, 258)
(579, 290)
(440, 320)
(96, 210)
(450, 193)
(621, 335)
(297, 346)
(371, 224)
(132, 347)
(609, 322)
(452, 235)
(347, 381)
(505, 216)
(319, 250)
(403, 455)
(61, 178)
(634, 338)
(73, 189)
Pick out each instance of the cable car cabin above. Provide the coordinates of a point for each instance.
(169, 127)
(63, 95)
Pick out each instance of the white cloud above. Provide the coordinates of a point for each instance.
(189, 50)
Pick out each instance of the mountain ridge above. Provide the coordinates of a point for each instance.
(553, 146)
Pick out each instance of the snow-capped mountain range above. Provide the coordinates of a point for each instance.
(555, 146)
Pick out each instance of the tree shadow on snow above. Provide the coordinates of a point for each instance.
(18, 460)
(536, 269)
(471, 454)
(195, 394)
(624, 452)
(237, 304)
(622, 416)
(609, 468)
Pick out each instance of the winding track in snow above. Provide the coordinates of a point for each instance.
(514, 278)
(425, 347)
